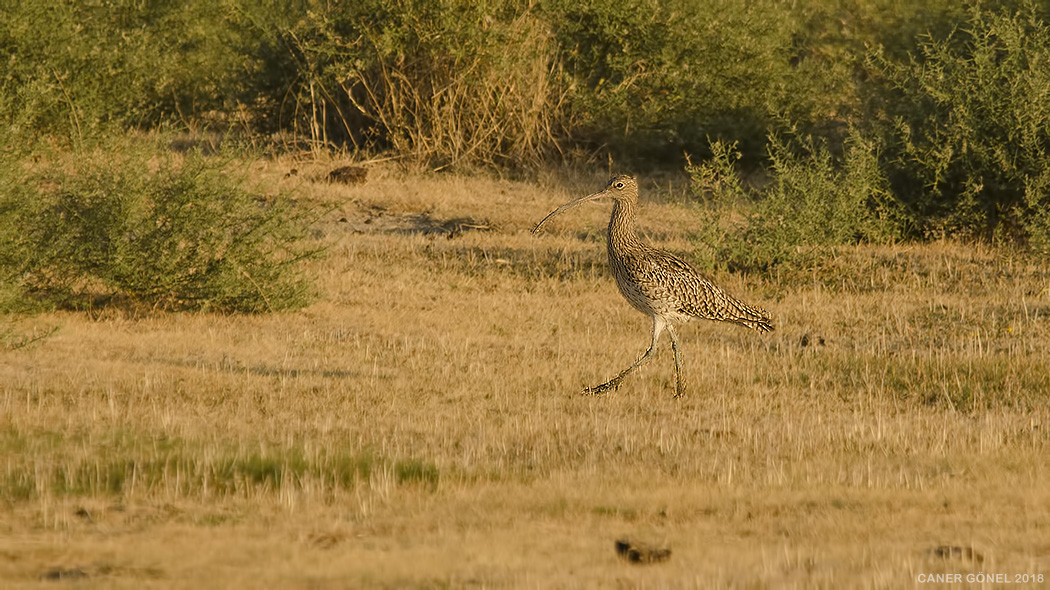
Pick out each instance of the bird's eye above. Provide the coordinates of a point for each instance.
(619, 185)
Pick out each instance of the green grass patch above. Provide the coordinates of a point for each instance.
(416, 471)
(49, 464)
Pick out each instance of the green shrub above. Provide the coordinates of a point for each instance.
(813, 202)
(75, 70)
(146, 226)
(446, 83)
(966, 124)
(653, 80)
(953, 138)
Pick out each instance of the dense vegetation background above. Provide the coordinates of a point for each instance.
(804, 125)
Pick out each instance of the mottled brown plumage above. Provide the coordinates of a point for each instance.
(659, 284)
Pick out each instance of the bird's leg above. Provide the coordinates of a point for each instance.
(658, 327)
(679, 385)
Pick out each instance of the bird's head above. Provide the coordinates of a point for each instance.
(621, 188)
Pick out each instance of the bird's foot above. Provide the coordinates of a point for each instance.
(606, 387)
(679, 391)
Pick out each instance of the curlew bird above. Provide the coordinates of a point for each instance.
(657, 283)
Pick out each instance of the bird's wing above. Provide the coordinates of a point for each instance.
(671, 280)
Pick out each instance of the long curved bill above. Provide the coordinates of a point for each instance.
(571, 204)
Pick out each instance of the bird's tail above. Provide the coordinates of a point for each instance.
(749, 316)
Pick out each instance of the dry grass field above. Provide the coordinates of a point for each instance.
(421, 424)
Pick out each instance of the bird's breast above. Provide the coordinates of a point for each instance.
(631, 284)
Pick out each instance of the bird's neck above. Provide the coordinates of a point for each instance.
(621, 227)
